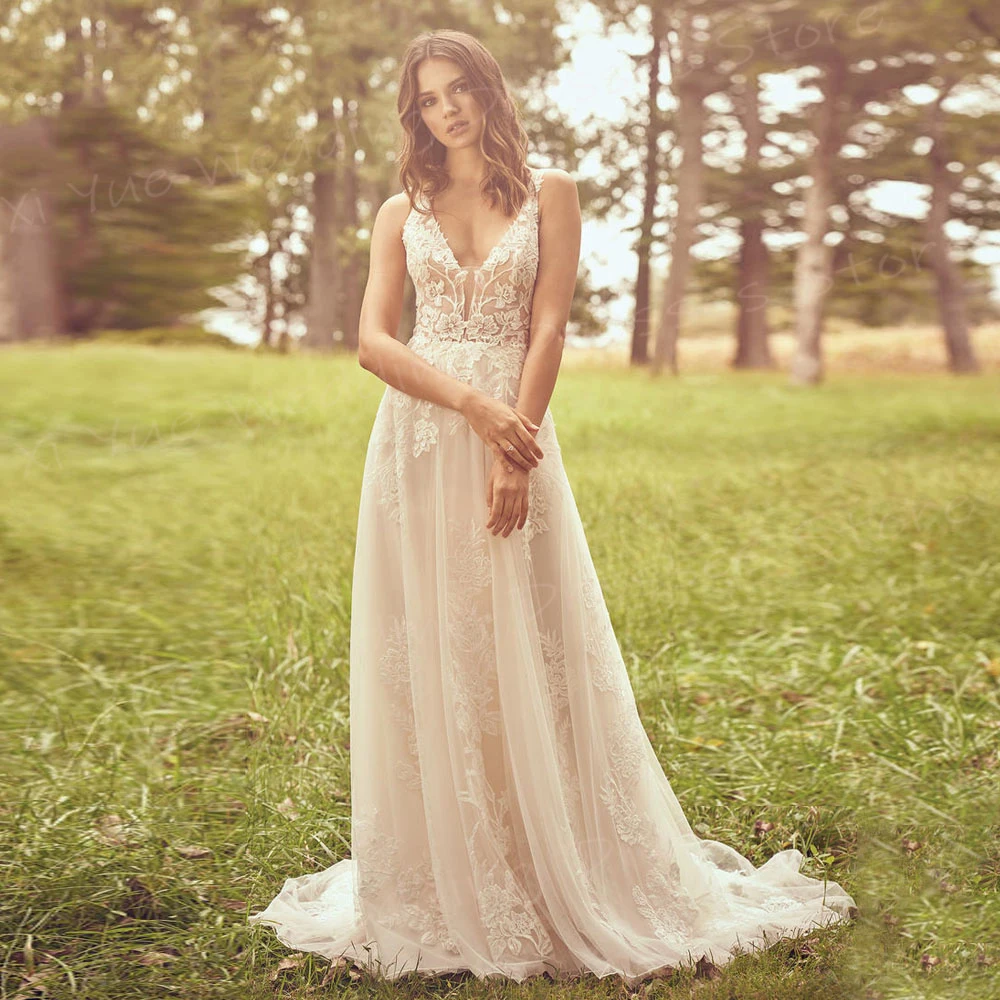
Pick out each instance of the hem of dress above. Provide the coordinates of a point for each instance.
(384, 970)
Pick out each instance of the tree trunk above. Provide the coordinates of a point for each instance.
(263, 268)
(753, 349)
(32, 300)
(85, 90)
(321, 311)
(950, 289)
(350, 309)
(640, 325)
(814, 263)
(690, 120)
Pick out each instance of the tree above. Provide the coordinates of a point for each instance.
(752, 284)
(140, 237)
(639, 354)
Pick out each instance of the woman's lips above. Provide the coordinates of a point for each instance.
(460, 127)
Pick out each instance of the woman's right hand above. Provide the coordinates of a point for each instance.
(506, 431)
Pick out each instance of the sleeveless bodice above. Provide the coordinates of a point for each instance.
(472, 323)
(487, 304)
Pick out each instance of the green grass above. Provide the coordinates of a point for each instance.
(805, 585)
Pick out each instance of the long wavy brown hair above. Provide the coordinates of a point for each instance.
(503, 144)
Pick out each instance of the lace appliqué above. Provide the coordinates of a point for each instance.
(664, 906)
(604, 658)
(380, 875)
(511, 919)
(544, 485)
(496, 307)
(660, 897)
(394, 670)
(504, 899)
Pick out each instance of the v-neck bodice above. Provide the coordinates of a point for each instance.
(486, 303)
(495, 248)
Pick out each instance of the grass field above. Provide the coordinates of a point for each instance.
(805, 584)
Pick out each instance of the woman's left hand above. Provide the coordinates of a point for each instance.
(506, 497)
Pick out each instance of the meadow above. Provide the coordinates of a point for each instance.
(805, 584)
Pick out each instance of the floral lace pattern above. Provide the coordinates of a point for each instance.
(509, 814)
(495, 306)
(394, 670)
(505, 903)
(402, 894)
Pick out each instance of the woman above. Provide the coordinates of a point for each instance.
(509, 815)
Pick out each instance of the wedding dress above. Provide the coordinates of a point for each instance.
(509, 814)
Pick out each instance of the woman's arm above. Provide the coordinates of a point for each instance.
(378, 349)
(558, 263)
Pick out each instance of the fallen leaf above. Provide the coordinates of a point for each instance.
(803, 948)
(286, 964)
(194, 851)
(334, 968)
(111, 830)
(984, 762)
(706, 970)
(287, 808)
(155, 958)
(794, 697)
(33, 985)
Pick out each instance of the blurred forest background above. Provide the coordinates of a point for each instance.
(158, 161)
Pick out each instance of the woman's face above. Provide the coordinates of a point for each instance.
(445, 100)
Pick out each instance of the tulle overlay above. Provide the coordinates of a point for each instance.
(509, 814)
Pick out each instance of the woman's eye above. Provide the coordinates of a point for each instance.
(427, 102)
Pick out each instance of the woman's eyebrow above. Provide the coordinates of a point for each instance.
(457, 79)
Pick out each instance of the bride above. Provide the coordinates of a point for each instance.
(509, 814)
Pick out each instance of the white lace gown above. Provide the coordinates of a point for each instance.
(509, 814)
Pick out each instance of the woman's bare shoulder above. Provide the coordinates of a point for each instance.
(558, 179)
(558, 192)
(396, 208)
(392, 214)
(557, 185)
